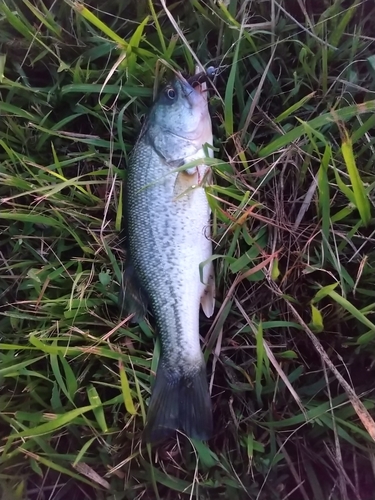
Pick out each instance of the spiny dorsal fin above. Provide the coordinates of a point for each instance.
(133, 298)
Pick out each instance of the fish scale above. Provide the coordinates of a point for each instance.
(168, 238)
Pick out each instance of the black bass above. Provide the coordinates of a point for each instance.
(168, 237)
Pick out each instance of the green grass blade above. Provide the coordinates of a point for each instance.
(97, 405)
(343, 114)
(360, 196)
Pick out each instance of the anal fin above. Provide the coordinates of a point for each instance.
(208, 296)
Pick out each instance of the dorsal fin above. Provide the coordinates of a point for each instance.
(133, 298)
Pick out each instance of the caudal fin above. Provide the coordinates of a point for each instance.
(179, 402)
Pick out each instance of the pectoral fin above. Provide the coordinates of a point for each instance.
(185, 181)
(208, 296)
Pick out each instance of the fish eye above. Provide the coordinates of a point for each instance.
(170, 93)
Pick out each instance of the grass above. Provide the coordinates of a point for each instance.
(291, 345)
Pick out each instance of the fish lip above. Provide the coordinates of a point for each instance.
(192, 94)
(200, 79)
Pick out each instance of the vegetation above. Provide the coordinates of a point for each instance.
(291, 347)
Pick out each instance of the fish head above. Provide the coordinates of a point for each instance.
(179, 122)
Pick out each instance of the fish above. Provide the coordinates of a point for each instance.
(168, 249)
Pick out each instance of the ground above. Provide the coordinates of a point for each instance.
(291, 345)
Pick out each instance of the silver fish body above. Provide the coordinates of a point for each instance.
(168, 231)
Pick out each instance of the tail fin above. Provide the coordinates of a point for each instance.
(179, 401)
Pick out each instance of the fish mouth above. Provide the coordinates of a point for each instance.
(193, 89)
(198, 85)
(201, 88)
